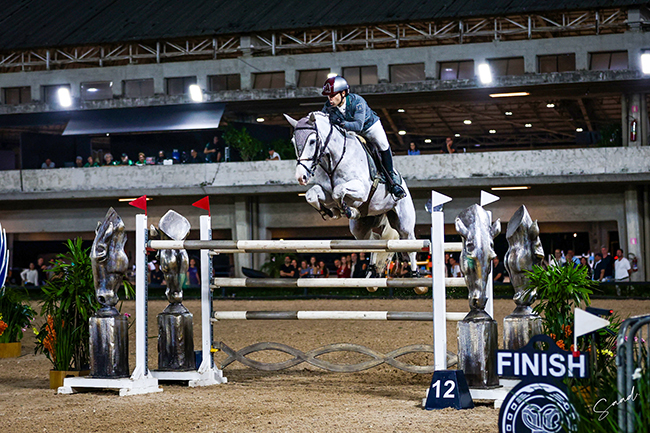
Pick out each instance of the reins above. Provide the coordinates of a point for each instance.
(316, 159)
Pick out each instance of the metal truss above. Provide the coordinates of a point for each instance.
(536, 26)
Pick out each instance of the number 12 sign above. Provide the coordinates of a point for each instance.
(448, 389)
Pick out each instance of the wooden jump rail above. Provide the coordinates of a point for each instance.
(331, 282)
(405, 316)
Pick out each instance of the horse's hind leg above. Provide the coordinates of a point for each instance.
(402, 218)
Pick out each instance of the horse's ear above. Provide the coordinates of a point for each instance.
(291, 120)
(312, 117)
(495, 229)
(460, 228)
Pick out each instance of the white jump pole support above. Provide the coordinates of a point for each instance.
(438, 289)
(210, 375)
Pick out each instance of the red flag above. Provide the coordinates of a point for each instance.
(141, 203)
(204, 204)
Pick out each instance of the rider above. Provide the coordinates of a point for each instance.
(351, 112)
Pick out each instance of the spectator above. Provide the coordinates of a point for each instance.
(357, 268)
(30, 276)
(447, 265)
(193, 273)
(584, 262)
(41, 268)
(570, 259)
(344, 270)
(449, 146)
(608, 265)
(212, 150)
(125, 160)
(287, 270)
(304, 269)
(314, 270)
(48, 164)
(156, 276)
(141, 160)
(194, 158)
(108, 160)
(622, 268)
(455, 268)
(161, 157)
(90, 162)
(273, 156)
(294, 263)
(499, 271)
(599, 267)
(79, 162)
(324, 270)
(413, 149)
(558, 255)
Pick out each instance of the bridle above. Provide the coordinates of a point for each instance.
(319, 151)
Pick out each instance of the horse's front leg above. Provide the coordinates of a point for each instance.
(351, 195)
(322, 201)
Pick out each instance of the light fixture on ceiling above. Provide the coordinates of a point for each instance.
(528, 125)
(575, 235)
(493, 131)
(484, 73)
(401, 132)
(427, 140)
(195, 93)
(401, 110)
(508, 95)
(508, 188)
(645, 63)
(551, 105)
(579, 129)
(260, 119)
(508, 113)
(467, 122)
(93, 89)
(63, 93)
(456, 135)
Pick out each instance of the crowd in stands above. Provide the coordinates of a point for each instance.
(347, 266)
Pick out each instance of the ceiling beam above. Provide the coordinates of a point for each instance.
(393, 127)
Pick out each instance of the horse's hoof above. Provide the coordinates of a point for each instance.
(420, 290)
(372, 289)
(372, 272)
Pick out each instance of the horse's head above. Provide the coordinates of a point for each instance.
(309, 143)
(478, 233)
(109, 261)
(524, 250)
(174, 263)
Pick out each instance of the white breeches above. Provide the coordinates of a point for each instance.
(376, 135)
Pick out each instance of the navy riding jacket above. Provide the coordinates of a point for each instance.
(358, 115)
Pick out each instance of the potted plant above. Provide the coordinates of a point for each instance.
(15, 317)
(68, 302)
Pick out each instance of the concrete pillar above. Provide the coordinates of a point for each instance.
(530, 62)
(644, 122)
(633, 241)
(582, 60)
(242, 230)
(159, 85)
(625, 132)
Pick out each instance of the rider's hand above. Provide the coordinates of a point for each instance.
(336, 120)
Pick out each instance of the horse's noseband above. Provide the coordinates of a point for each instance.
(318, 152)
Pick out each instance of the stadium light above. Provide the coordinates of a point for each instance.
(645, 63)
(195, 93)
(484, 73)
(65, 100)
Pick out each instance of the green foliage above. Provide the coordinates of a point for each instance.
(68, 302)
(560, 290)
(611, 135)
(249, 148)
(284, 148)
(15, 312)
(275, 262)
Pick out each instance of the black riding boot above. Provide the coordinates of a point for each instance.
(395, 187)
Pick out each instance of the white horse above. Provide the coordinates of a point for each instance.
(338, 165)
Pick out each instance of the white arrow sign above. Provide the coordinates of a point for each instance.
(586, 323)
(487, 198)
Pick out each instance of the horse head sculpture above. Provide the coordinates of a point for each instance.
(524, 250)
(174, 263)
(109, 261)
(475, 226)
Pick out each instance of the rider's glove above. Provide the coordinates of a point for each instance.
(336, 120)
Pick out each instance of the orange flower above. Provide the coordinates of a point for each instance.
(50, 339)
(3, 326)
(567, 330)
(560, 344)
